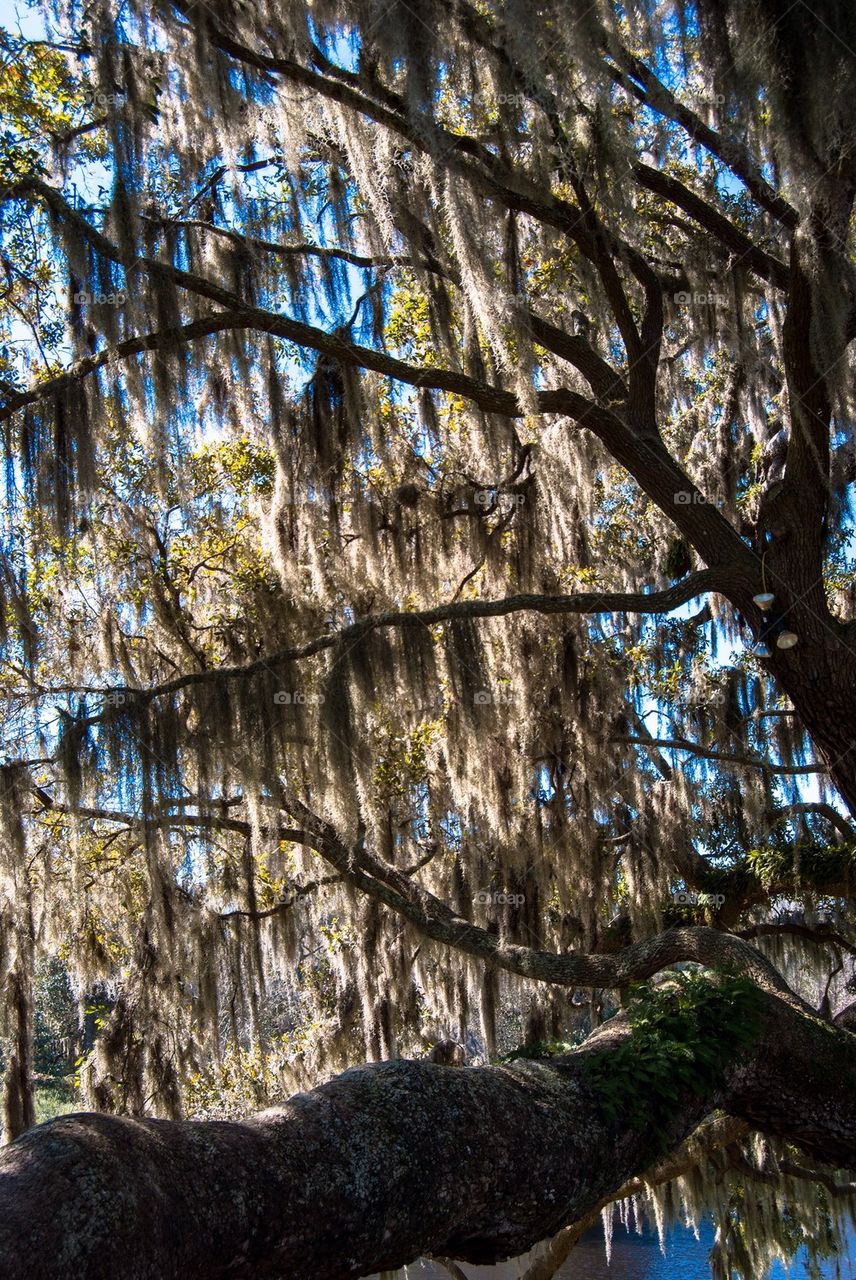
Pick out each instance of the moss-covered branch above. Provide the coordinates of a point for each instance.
(409, 1157)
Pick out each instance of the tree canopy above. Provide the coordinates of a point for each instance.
(427, 610)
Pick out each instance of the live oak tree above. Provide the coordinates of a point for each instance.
(423, 428)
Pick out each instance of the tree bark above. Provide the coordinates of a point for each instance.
(16, 1027)
(389, 1162)
(19, 1112)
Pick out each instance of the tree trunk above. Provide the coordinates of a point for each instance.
(819, 676)
(16, 1019)
(389, 1162)
(19, 1112)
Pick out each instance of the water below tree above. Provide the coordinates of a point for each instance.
(638, 1257)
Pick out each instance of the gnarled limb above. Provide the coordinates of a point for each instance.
(389, 1162)
(436, 920)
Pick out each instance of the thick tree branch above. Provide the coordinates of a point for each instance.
(407, 1158)
(635, 76)
(163, 340)
(764, 264)
(821, 810)
(586, 602)
(604, 380)
(489, 398)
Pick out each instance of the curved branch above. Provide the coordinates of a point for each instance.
(823, 811)
(603, 379)
(708, 753)
(822, 935)
(633, 75)
(435, 919)
(489, 398)
(303, 250)
(765, 265)
(405, 1157)
(585, 602)
(159, 341)
(790, 1169)
(285, 904)
(643, 453)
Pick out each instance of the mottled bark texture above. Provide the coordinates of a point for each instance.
(16, 1024)
(18, 1100)
(388, 1162)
